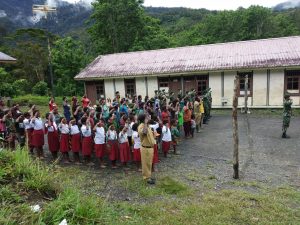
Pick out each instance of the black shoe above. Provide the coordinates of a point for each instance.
(285, 136)
(151, 181)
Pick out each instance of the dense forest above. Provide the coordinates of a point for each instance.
(77, 34)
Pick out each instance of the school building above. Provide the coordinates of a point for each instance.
(272, 66)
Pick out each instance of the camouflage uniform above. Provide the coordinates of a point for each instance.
(287, 113)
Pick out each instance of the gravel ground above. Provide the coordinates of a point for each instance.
(205, 162)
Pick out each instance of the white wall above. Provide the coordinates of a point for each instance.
(120, 86)
(276, 87)
(152, 85)
(228, 86)
(140, 86)
(109, 88)
(260, 87)
(215, 83)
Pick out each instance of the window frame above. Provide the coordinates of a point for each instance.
(250, 80)
(291, 74)
(100, 84)
(132, 82)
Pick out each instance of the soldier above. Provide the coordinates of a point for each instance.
(287, 113)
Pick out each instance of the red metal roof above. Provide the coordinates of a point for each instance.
(265, 53)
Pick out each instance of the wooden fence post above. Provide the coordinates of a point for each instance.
(235, 129)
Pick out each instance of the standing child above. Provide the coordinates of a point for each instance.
(52, 135)
(64, 139)
(75, 140)
(166, 138)
(112, 140)
(193, 125)
(175, 135)
(87, 140)
(28, 130)
(136, 147)
(124, 147)
(38, 134)
(100, 141)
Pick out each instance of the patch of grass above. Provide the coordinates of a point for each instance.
(171, 186)
(8, 195)
(239, 183)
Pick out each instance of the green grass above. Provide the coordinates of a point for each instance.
(170, 202)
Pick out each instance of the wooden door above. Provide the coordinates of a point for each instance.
(175, 84)
(189, 83)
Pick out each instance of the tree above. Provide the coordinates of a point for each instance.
(122, 26)
(68, 58)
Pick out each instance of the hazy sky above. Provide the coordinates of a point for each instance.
(209, 4)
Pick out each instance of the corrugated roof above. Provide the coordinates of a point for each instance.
(265, 53)
(6, 58)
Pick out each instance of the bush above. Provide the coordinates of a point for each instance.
(7, 90)
(41, 88)
(21, 86)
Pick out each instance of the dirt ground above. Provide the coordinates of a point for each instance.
(205, 162)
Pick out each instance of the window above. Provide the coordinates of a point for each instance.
(242, 79)
(292, 79)
(202, 84)
(129, 87)
(100, 90)
(163, 82)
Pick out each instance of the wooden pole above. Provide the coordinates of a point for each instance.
(235, 129)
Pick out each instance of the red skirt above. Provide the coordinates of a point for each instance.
(124, 152)
(38, 138)
(113, 155)
(53, 141)
(87, 146)
(155, 154)
(166, 146)
(29, 137)
(64, 143)
(136, 155)
(100, 150)
(75, 142)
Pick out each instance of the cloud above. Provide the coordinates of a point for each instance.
(2, 13)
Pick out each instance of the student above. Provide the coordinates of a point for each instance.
(175, 135)
(100, 141)
(136, 147)
(87, 141)
(28, 131)
(20, 129)
(67, 109)
(64, 140)
(51, 130)
(154, 125)
(166, 138)
(124, 147)
(187, 113)
(38, 134)
(75, 141)
(112, 140)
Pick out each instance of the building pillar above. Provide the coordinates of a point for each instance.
(268, 87)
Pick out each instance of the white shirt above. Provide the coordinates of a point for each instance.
(37, 124)
(129, 129)
(64, 128)
(166, 132)
(52, 127)
(27, 124)
(123, 138)
(154, 126)
(99, 135)
(136, 139)
(86, 131)
(111, 135)
(74, 129)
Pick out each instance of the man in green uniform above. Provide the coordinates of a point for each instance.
(287, 113)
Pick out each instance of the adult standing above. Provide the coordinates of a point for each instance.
(187, 117)
(67, 109)
(147, 143)
(197, 112)
(85, 101)
(52, 104)
(287, 113)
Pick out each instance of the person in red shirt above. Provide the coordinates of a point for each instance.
(85, 101)
(52, 104)
(165, 115)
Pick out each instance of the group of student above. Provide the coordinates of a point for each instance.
(107, 129)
